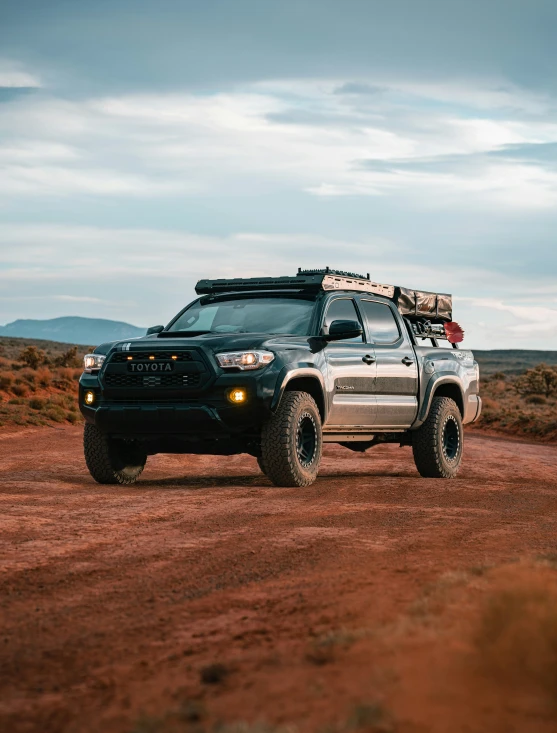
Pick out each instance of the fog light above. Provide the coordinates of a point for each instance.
(89, 397)
(237, 396)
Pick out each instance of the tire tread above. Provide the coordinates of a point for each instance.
(425, 445)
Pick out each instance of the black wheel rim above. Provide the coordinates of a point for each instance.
(306, 440)
(451, 439)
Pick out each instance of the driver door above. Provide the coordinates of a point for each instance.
(350, 371)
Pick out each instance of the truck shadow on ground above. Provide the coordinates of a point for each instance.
(204, 482)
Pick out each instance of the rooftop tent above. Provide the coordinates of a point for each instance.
(422, 304)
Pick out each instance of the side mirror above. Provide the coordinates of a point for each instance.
(154, 329)
(340, 330)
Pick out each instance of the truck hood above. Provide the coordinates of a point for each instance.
(211, 341)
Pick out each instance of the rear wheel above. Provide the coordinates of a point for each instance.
(110, 460)
(291, 441)
(437, 445)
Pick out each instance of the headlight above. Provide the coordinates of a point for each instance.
(245, 360)
(93, 362)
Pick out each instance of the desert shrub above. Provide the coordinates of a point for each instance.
(6, 380)
(32, 356)
(28, 375)
(490, 404)
(55, 413)
(44, 377)
(20, 390)
(499, 375)
(536, 399)
(541, 380)
(36, 403)
(69, 358)
(65, 401)
(16, 401)
(72, 417)
(66, 376)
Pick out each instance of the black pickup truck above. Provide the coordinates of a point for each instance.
(275, 367)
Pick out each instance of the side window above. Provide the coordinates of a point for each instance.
(381, 322)
(343, 309)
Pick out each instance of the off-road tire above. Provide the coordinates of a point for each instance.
(292, 441)
(437, 444)
(112, 461)
(261, 465)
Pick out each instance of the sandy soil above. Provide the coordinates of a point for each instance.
(202, 596)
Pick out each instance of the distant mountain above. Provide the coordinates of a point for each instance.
(512, 361)
(72, 330)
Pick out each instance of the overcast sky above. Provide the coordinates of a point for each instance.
(144, 145)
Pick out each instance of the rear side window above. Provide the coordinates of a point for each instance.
(382, 326)
(343, 309)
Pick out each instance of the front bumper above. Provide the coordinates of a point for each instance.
(205, 415)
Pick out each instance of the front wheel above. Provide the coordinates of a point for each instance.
(437, 444)
(291, 441)
(112, 461)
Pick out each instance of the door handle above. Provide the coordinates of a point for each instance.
(407, 361)
(368, 359)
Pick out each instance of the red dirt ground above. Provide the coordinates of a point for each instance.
(349, 605)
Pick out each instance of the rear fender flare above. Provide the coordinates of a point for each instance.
(432, 386)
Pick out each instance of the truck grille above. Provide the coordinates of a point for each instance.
(120, 357)
(152, 380)
(150, 374)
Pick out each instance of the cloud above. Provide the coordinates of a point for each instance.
(528, 320)
(300, 134)
(13, 76)
(173, 45)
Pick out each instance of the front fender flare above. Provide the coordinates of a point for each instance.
(287, 374)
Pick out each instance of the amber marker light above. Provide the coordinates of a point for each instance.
(174, 357)
(89, 397)
(237, 396)
(130, 358)
(151, 357)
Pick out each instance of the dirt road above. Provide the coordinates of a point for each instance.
(203, 596)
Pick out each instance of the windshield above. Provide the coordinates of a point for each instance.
(248, 315)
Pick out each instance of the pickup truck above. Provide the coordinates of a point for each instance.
(276, 367)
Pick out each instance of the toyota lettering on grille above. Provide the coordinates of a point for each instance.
(151, 366)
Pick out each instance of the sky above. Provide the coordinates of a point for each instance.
(146, 145)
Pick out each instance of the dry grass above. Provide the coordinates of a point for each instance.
(506, 411)
(42, 393)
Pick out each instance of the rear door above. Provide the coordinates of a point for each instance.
(396, 383)
(351, 371)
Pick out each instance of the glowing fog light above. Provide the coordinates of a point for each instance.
(237, 396)
(89, 397)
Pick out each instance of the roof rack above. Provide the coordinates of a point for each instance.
(414, 304)
(325, 279)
